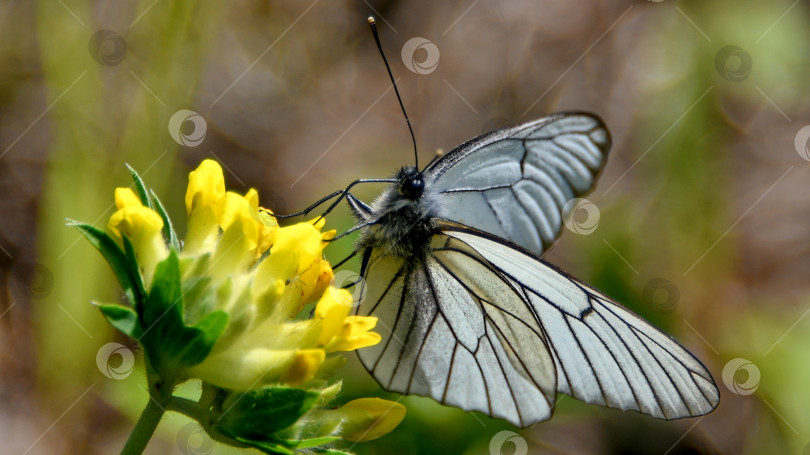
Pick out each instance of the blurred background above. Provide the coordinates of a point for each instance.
(703, 206)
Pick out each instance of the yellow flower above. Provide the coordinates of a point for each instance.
(263, 275)
(371, 418)
(254, 316)
(144, 228)
(342, 332)
(206, 189)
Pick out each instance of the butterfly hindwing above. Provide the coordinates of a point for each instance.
(515, 182)
(604, 354)
(458, 333)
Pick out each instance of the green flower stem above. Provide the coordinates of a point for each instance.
(199, 411)
(188, 408)
(142, 433)
(160, 395)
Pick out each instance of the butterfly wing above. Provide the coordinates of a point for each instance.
(514, 182)
(484, 325)
(604, 354)
(459, 334)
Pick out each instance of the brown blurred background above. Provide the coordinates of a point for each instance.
(703, 205)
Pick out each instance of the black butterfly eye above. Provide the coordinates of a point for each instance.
(412, 188)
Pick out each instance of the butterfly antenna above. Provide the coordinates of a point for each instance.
(373, 25)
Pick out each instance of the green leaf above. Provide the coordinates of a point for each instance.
(165, 297)
(199, 298)
(140, 188)
(171, 344)
(116, 258)
(205, 335)
(122, 318)
(134, 269)
(257, 414)
(168, 227)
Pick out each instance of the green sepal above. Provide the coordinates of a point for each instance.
(165, 302)
(199, 298)
(256, 415)
(134, 269)
(123, 318)
(292, 446)
(206, 333)
(297, 444)
(167, 339)
(168, 228)
(117, 259)
(270, 447)
(140, 188)
(332, 452)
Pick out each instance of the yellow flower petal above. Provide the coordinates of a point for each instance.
(302, 238)
(206, 186)
(125, 197)
(304, 366)
(134, 220)
(333, 312)
(354, 334)
(144, 229)
(236, 247)
(325, 276)
(204, 200)
(378, 417)
(265, 221)
(202, 231)
(243, 369)
(308, 281)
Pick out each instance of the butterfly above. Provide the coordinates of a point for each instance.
(469, 313)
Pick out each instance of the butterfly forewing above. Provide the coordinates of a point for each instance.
(515, 182)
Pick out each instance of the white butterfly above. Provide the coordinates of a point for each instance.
(471, 316)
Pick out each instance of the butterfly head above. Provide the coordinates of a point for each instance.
(411, 183)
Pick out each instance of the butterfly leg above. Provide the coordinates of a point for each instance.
(340, 193)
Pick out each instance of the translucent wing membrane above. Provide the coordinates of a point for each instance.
(469, 343)
(604, 354)
(514, 182)
(483, 325)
